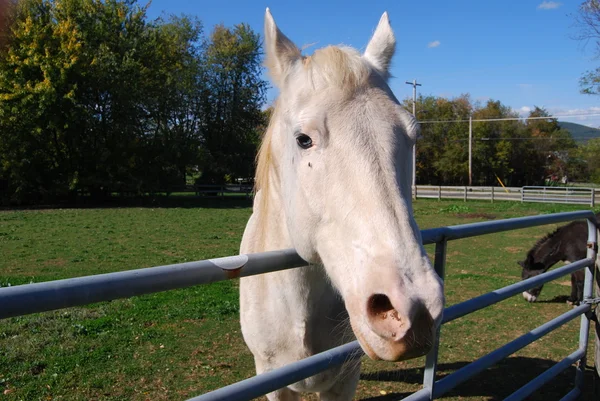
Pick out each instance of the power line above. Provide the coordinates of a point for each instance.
(510, 118)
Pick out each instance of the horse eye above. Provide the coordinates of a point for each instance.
(304, 141)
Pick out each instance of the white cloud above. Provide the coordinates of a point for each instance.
(433, 44)
(525, 86)
(548, 5)
(581, 113)
(589, 116)
(585, 116)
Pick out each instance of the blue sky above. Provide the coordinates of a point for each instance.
(520, 52)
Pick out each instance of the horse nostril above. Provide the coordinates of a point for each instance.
(379, 305)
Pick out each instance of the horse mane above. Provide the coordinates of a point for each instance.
(264, 155)
(543, 240)
(551, 235)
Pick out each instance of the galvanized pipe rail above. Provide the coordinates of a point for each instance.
(41, 297)
(440, 236)
(46, 296)
(240, 391)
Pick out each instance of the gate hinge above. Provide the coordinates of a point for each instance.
(592, 301)
(591, 314)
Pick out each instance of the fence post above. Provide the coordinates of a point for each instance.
(492, 194)
(432, 357)
(596, 374)
(592, 246)
(522, 194)
(439, 192)
(465, 194)
(544, 194)
(596, 390)
(593, 197)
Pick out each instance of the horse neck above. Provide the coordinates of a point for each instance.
(551, 250)
(271, 233)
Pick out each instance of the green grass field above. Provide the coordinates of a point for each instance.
(179, 344)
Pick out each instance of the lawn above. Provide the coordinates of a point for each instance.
(179, 344)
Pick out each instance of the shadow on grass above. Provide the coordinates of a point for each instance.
(157, 201)
(495, 383)
(559, 299)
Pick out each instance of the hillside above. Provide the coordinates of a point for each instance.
(581, 133)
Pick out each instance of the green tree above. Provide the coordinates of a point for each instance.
(232, 105)
(503, 147)
(589, 153)
(442, 156)
(553, 145)
(174, 105)
(95, 99)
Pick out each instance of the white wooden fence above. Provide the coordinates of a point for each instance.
(570, 195)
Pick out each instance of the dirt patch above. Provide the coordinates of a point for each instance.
(55, 262)
(476, 216)
(514, 249)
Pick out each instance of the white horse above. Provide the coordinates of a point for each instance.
(333, 181)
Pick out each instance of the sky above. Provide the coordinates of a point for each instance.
(520, 52)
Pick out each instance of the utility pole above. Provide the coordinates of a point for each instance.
(414, 164)
(470, 150)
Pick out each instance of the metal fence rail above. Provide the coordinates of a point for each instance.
(50, 295)
(46, 296)
(336, 356)
(31, 298)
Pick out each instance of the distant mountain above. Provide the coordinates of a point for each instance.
(580, 133)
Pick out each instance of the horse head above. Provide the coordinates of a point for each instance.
(531, 267)
(339, 154)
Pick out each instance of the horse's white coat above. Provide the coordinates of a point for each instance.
(345, 205)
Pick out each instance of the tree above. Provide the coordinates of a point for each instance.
(589, 153)
(588, 21)
(95, 99)
(232, 105)
(441, 149)
(174, 107)
(553, 144)
(504, 147)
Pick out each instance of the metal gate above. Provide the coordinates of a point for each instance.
(572, 195)
(39, 297)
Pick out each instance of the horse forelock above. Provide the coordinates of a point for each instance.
(342, 68)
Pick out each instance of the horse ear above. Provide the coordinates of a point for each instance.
(281, 52)
(381, 47)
